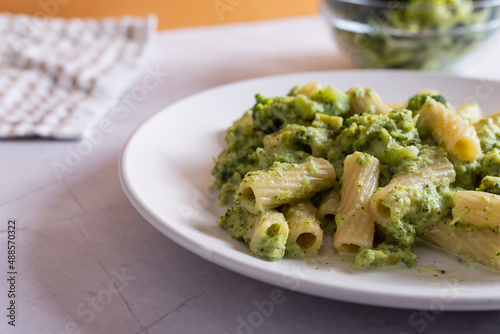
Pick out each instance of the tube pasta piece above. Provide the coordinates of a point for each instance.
(428, 91)
(385, 209)
(274, 139)
(355, 225)
(310, 88)
(305, 236)
(268, 236)
(330, 203)
(297, 137)
(396, 105)
(454, 133)
(439, 169)
(477, 208)
(366, 99)
(332, 122)
(480, 244)
(284, 183)
(471, 111)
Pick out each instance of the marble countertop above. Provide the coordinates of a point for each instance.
(87, 262)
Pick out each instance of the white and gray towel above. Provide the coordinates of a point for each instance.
(59, 77)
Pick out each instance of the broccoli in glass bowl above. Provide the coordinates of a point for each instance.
(411, 34)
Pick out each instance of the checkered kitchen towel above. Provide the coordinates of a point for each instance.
(58, 77)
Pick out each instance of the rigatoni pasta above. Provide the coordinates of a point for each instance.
(366, 99)
(355, 224)
(479, 244)
(305, 236)
(386, 208)
(454, 133)
(269, 235)
(283, 183)
(470, 111)
(310, 88)
(327, 209)
(477, 208)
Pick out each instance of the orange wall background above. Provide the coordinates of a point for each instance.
(171, 13)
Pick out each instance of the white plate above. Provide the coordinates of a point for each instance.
(165, 172)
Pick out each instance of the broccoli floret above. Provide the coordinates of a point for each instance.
(390, 138)
(273, 114)
(491, 163)
(490, 184)
(238, 223)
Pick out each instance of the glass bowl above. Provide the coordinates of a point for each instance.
(416, 34)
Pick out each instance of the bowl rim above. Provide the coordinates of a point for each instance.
(327, 11)
(394, 4)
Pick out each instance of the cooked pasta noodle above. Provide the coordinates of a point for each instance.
(329, 205)
(454, 133)
(306, 235)
(480, 244)
(355, 224)
(477, 208)
(385, 208)
(366, 99)
(284, 183)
